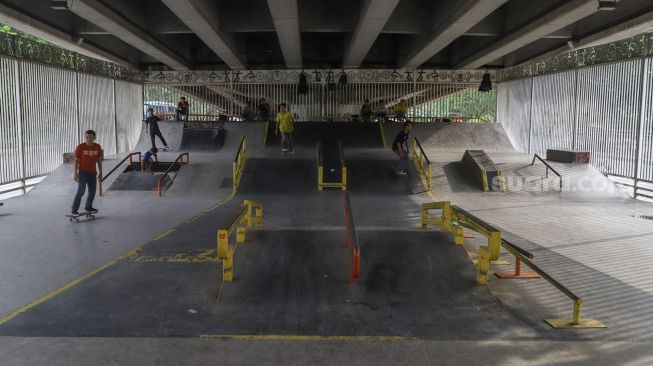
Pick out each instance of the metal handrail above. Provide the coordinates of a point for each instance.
(419, 160)
(239, 162)
(578, 301)
(116, 167)
(352, 240)
(449, 212)
(342, 154)
(320, 159)
(240, 149)
(167, 171)
(421, 150)
(535, 156)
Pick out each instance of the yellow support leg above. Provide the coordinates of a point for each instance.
(240, 235)
(483, 265)
(259, 216)
(344, 178)
(228, 267)
(320, 177)
(458, 235)
(494, 244)
(576, 321)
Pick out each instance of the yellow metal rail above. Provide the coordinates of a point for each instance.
(240, 224)
(454, 218)
(321, 184)
(239, 162)
(422, 162)
(382, 129)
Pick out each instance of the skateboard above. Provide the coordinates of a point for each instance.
(88, 215)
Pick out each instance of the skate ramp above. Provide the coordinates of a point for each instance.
(202, 139)
(352, 134)
(454, 136)
(172, 132)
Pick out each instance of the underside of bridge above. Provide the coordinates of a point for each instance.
(277, 34)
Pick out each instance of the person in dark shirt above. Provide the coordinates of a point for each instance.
(152, 126)
(182, 108)
(400, 147)
(366, 111)
(263, 110)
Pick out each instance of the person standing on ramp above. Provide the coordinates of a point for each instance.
(400, 147)
(87, 154)
(285, 126)
(152, 125)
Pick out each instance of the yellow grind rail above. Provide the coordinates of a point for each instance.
(240, 224)
(454, 218)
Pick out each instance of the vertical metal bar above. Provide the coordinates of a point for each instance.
(576, 111)
(530, 117)
(640, 123)
(20, 117)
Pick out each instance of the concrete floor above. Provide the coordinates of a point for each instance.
(416, 301)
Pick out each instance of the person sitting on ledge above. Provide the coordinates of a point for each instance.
(182, 108)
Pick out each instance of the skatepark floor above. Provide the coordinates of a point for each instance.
(141, 285)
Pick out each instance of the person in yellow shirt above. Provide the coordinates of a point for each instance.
(285, 126)
(400, 110)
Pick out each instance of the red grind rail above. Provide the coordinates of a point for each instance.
(351, 238)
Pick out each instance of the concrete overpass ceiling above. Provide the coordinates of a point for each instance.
(415, 33)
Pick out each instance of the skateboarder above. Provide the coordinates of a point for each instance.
(400, 147)
(263, 110)
(366, 111)
(152, 124)
(87, 155)
(149, 157)
(285, 126)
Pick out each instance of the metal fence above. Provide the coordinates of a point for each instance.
(460, 102)
(605, 109)
(430, 95)
(44, 111)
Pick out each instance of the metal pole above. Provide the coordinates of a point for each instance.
(530, 116)
(575, 106)
(115, 116)
(20, 117)
(641, 111)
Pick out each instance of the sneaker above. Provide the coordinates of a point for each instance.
(92, 210)
(74, 213)
(401, 172)
(166, 148)
(284, 150)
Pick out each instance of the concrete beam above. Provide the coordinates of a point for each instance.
(374, 16)
(285, 17)
(203, 20)
(115, 23)
(626, 29)
(551, 21)
(29, 25)
(466, 16)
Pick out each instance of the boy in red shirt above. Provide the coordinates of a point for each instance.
(87, 154)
